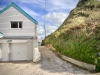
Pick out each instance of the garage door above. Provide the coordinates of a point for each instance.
(18, 51)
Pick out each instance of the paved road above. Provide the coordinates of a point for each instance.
(49, 65)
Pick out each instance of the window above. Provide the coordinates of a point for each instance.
(16, 24)
(20, 24)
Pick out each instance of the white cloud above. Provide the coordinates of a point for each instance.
(56, 18)
(58, 5)
(50, 29)
(51, 5)
(32, 2)
(26, 9)
(41, 23)
(30, 11)
(2, 7)
(55, 13)
(41, 32)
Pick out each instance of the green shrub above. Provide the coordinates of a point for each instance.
(77, 45)
(43, 43)
(79, 35)
(98, 65)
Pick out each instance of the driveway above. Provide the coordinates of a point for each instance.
(49, 65)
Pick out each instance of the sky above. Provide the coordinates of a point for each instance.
(48, 13)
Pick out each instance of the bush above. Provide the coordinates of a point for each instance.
(43, 43)
(79, 35)
(98, 65)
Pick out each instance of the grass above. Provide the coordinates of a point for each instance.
(79, 35)
(78, 45)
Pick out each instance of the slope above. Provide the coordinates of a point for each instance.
(79, 35)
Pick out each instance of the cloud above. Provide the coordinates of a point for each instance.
(38, 2)
(55, 13)
(56, 18)
(50, 29)
(25, 8)
(60, 5)
(41, 32)
(30, 11)
(2, 7)
(51, 5)
(41, 23)
(40, 29)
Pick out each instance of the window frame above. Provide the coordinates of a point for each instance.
(18, 24)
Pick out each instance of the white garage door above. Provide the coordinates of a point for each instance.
(18, 51)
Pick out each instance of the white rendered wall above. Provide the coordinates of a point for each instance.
(30, 50)
(31, 45)
(13, 14)
(5, 47)
(5, 52)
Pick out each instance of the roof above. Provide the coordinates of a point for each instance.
(20, 10)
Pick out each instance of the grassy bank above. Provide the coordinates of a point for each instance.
(79, 35)
(78, 45)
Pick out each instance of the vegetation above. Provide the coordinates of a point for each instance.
(79, 35)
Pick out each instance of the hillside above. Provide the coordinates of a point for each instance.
(79, 35)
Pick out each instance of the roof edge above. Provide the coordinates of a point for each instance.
(20, 10)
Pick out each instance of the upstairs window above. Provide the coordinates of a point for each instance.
(16, 24)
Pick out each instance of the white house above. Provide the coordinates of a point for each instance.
(19, 34)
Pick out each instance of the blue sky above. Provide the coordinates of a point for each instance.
(55, 13)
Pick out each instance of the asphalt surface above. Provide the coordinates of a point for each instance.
(49, 65)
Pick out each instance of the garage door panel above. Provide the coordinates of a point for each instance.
(18, 52)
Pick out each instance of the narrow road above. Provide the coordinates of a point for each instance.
(49, 65)
(56, 66)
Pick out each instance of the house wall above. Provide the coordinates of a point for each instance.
(12, 14)
(5, 47)
(35, 43)
(5, 52)
(30, 50)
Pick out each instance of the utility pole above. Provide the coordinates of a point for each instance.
(45, 30)
(44, 21)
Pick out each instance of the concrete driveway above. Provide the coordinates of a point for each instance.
(49, 65)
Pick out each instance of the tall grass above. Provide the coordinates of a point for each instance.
(78, 45)
(79, 35)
